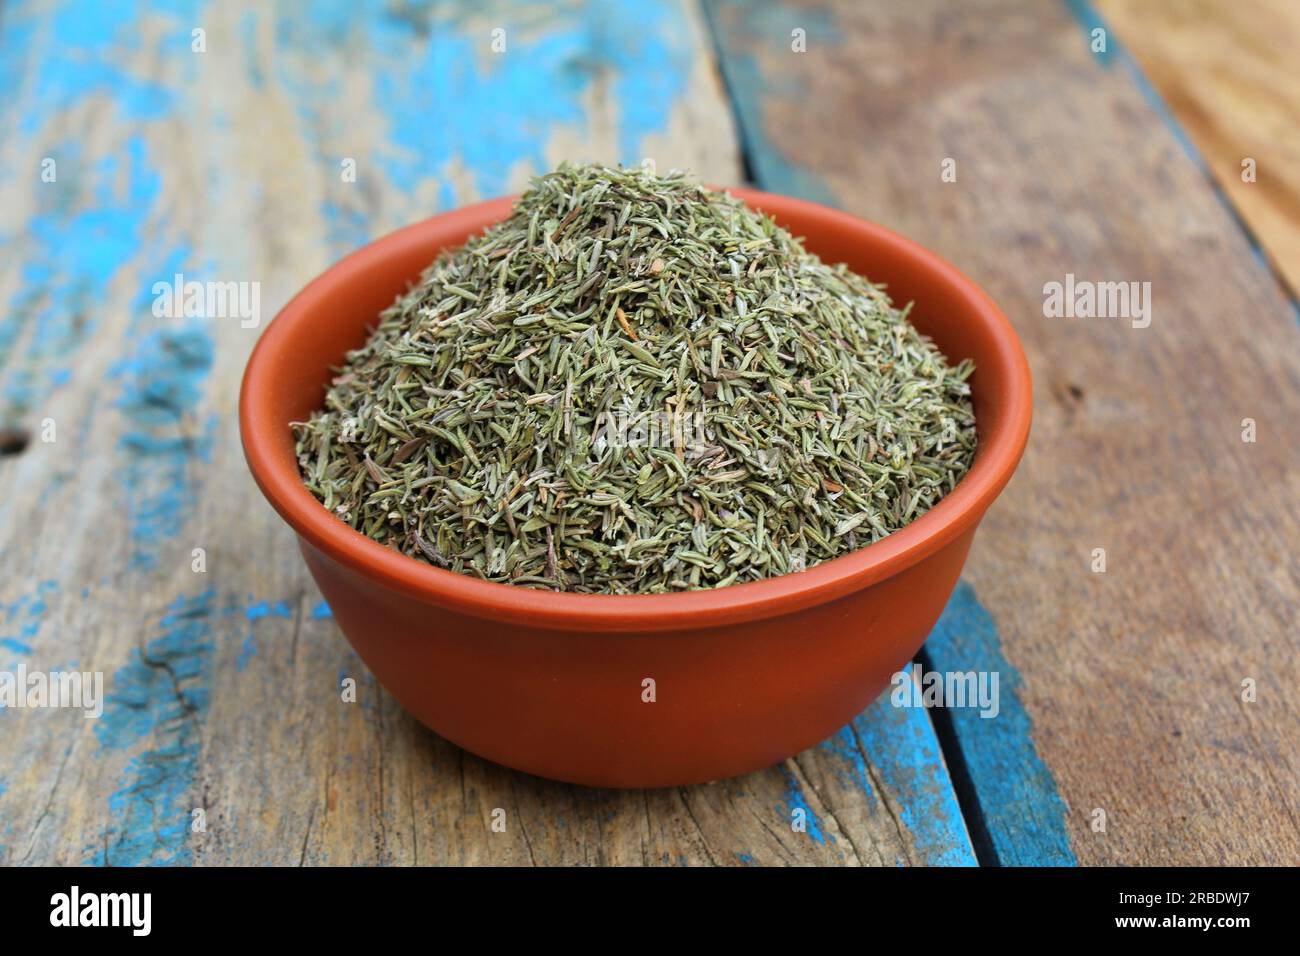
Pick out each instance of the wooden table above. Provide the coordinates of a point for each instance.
(218, 141)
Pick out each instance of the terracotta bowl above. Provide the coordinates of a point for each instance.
(552, 684)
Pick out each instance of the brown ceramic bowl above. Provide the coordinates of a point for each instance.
(551, 683)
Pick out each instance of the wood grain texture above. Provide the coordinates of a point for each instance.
(1129, 682)
(1228, 73)
(228, 165)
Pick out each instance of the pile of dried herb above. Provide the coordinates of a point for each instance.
(632, 385)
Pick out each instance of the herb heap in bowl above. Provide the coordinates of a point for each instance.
(634, 385)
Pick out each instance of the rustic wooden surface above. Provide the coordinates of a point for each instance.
(1129, 682)
(1121, 691)
(1228, 72)
(225, 165)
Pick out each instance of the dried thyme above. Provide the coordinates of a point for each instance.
(633, 385)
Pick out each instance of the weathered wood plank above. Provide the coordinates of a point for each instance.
(1227, 71)
(232, 165)
(1125, 687)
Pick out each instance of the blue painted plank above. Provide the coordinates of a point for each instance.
(900, 744)
(160, 698)
(1016, 795)
(750, 38)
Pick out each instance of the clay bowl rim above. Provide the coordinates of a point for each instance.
(265, 438)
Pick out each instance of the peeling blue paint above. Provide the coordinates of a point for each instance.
(85, 228)
(161, 696)
(767, 27)
(794, 800)
(1023, 812)
(86, 48)
(26, 615)
(261, 609)
(248, 40)
(495, 112)
(162, 385)
(247, 651)
(321, 612)
(92, 218)
(900, 744)
(253, 613)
